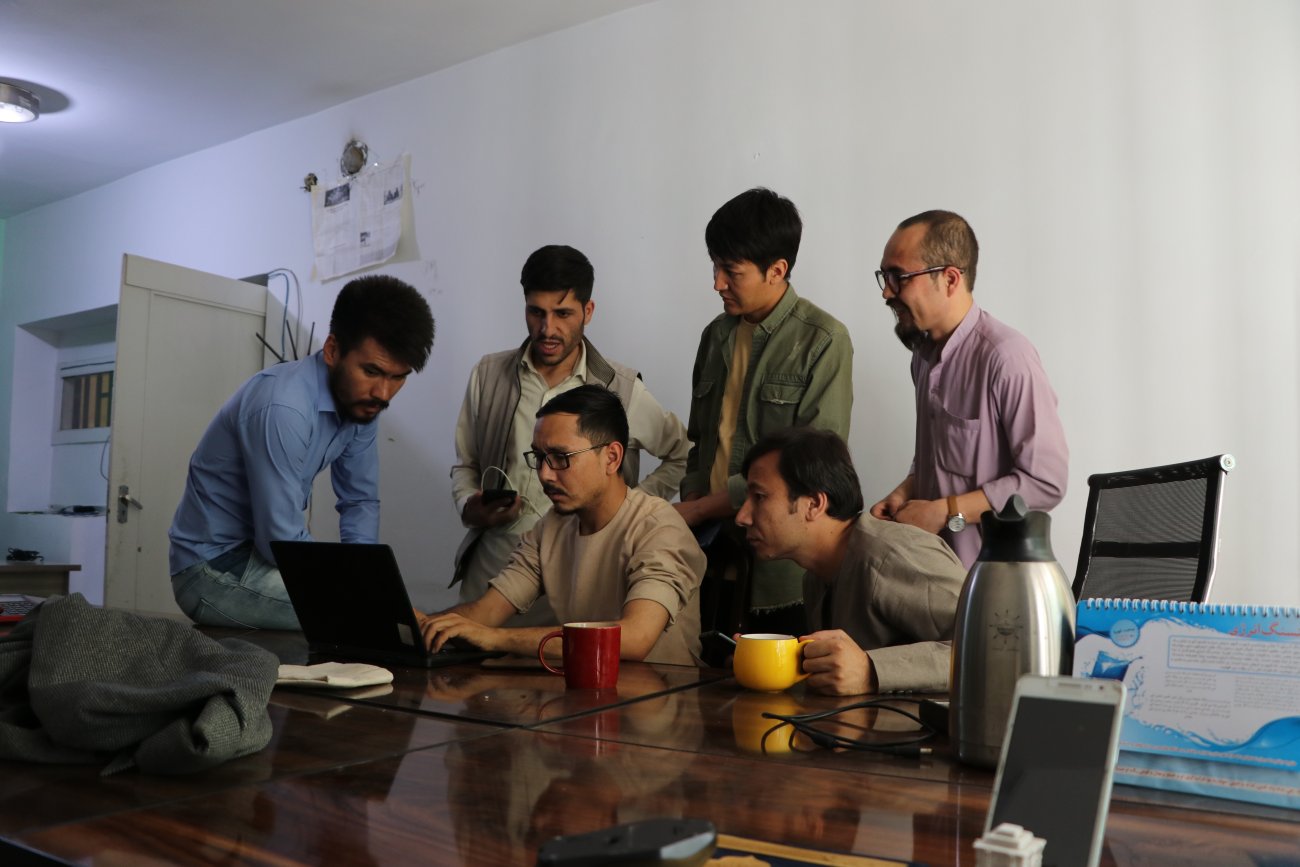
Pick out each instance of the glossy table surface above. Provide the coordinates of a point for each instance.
(423, 779)
(313, 734)
(505, 691)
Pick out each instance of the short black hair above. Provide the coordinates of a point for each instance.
(388, 310)
(601, 417)
(813, 460)
(558, 268)
(949, 240)
(756, 226)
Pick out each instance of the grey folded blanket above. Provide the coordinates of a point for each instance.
(86, 684)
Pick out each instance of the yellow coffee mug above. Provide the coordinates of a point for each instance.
(767, 662)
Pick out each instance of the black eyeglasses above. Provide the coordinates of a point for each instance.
(894, 280)
(555, 460)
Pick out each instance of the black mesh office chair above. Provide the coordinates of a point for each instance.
(1153, 533)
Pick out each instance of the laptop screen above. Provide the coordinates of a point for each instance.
(349, 596)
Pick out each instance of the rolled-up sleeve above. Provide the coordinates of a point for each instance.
(663, 435)
(666, 567)
(521, 579)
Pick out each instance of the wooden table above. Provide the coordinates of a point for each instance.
(311, 733)
(431, 783)
(1145, 826)
(513, 692)
(36, 579)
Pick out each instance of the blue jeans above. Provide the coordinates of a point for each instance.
(239, 588)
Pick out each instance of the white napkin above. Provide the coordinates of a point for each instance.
(333, 675)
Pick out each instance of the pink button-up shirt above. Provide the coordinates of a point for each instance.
(986, 418)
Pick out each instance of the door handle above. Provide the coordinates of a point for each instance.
(124, 503)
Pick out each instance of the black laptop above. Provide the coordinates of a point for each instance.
(352, 604)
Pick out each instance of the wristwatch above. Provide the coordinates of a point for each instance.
(956, 520)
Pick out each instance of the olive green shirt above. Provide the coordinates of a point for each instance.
(800, 373)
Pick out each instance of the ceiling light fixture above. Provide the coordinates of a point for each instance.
(18, 105)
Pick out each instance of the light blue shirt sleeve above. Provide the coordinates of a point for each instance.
(355, 476)
(250, 477)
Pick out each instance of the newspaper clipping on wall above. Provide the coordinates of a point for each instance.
(357, 221)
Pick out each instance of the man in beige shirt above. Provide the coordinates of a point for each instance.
(880, 597)
(501, 401)
(603, 552)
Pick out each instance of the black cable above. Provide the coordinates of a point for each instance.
(803, 724)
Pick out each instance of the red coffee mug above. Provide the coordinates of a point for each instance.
(590, 654)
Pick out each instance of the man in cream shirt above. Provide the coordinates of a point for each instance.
(603, 552)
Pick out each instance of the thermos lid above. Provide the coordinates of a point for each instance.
(1017, 534)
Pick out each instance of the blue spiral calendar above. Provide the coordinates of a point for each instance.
(1213, 694)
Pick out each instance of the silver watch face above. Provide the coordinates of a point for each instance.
(957, 522)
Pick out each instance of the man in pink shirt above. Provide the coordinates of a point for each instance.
(986, 420)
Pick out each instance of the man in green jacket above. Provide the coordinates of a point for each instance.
(771, 360)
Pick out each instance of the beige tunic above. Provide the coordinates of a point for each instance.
(645, 552)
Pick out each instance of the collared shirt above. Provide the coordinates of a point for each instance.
(800, 372)
(986, 418)
(650, 427)
(250, 477)
(533, 395)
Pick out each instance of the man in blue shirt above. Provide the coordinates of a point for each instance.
(251, 476)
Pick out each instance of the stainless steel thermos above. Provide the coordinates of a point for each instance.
(1015, 616)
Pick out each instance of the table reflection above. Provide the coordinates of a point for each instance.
(549, 785)
(529, 697)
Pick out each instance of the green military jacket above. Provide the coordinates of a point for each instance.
(800, 373)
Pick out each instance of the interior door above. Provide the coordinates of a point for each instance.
(185, 341)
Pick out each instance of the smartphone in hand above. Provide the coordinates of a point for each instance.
(499, 497)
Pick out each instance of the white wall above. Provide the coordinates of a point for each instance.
(33, 368)
(1130, 169)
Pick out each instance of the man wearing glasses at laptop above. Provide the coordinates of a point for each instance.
(250, 477)
(604, 552)
(497, 497)
(986, 421)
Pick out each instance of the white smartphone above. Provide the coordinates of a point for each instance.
(1058, 759)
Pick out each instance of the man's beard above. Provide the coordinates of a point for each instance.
(346, 410)
(364, 419)
(559, 510)
(908, 334)
(566, 352)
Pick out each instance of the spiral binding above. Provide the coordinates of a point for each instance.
(1170, 606)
